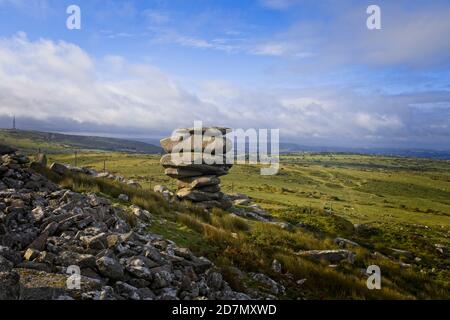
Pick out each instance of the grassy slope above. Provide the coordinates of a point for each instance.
(31, 141)
(405, 201)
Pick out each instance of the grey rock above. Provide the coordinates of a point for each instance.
(167, 161)
(38, 214)
(40, 242)
(59, 168)
(127, 291)
(146, 294)
(97, 242)
(110, 268)
(198, 195)
(140, 267)
(96, 201)
(215, 281)
(442, 249)
(344, 243)
(331, 256)
(10, 254)
(9, 285)
(198, 182)
(5, 264)
(181, 173)
(161, 279)
(276, 266)
(201, 264)
(271, 285)
(141, 213)
(68, 258)
(217, 145)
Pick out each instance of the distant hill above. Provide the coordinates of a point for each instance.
(400, 152)
(31, 141)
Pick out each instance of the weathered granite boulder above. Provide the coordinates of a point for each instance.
(59, 168)
(198, 182)
(210, 144)
(331, 256)
(197, 195)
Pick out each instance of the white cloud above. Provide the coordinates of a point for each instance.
(374, 122)
(279, 49)
(271, 49)
(44, 79)
(47, 80)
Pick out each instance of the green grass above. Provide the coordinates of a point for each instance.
(404, 202)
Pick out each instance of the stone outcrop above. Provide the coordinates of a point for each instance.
(331, 256)
(62, 169)
(45, 231)
(198, 171)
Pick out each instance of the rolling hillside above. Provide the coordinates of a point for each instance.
(31, 141)
(395, 210)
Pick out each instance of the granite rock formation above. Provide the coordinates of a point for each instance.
(197, 161)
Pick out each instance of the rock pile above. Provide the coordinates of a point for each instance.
(199, 171)
(61, 169)
(47, 232)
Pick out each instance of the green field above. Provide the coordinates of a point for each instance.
(403, 203)
(362, 189)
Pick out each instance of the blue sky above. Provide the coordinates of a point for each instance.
(310, 68)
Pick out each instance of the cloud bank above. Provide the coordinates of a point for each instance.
(58, 85)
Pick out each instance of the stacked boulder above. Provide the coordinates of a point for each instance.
(198, 167)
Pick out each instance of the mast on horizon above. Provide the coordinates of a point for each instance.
(14, 122)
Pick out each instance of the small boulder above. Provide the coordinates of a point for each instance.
(97, 242)
(110, 267)
(442, 249)
(141, 213)
(276, 266)
(344, 243)
(59, 168)
(331, 256)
